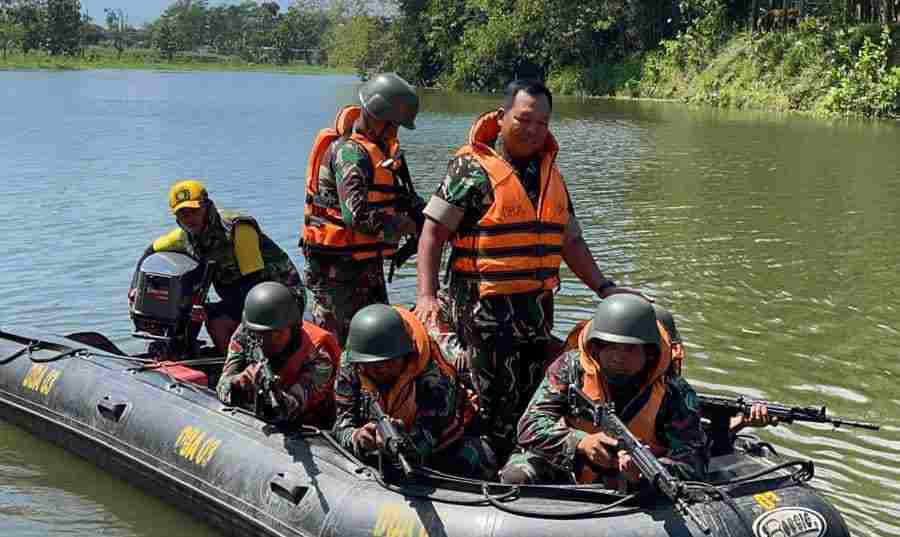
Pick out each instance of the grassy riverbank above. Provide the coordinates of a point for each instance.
(147, 59)
(814, 68)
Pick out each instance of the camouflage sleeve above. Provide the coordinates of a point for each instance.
(353, 173)
(435, 406)
(346, 391)
(678, 426)
(235, 362)
(543, 429)
(463, 196)
(313, 383)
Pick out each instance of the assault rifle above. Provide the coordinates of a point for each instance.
(409, 203)
(786, 414)
(267, 404)
(719, 410)
(604, 417)
(396, 444)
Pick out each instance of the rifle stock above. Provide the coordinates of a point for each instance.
(604, 417)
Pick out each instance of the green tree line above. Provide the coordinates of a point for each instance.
(656, 48)
(259, 32)
(50, 25)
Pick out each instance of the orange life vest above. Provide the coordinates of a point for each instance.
(400, 401)
(514, 248)
(324, 230)
(643, 423)
(313, 339)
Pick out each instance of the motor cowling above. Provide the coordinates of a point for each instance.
(166, 286)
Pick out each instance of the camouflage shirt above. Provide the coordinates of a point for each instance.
(467, 188)
(543, 430)
(345, 175)
(314, 381)
(217, 244)
(436, 406)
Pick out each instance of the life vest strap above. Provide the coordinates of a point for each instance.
(386, 189)
(538, 275)
(534, 250)
(323, 219)
(519, 227)
(350, 249)
(321, 201)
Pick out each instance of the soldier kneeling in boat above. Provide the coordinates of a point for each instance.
(398, 396)
(279, 365)
(621, 357)
(242, 255)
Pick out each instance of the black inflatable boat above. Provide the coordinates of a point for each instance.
(161, 429)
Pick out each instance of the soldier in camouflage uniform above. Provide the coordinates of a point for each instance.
(240, 253)
(303, 357)
(508, 214)
(621, 358)
(416, 386)
(351, 219)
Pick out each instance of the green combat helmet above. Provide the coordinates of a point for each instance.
(271, 306)
(625, 318)
(387, 97)
(665, 317)
(377, 334)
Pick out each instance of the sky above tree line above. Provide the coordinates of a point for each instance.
(143, 11)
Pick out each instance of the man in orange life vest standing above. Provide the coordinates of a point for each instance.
(303, 359)
(351, 220)
(507, 212)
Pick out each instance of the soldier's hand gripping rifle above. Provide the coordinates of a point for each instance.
(603, 416)
(396, 444)
(267, 403)
(409, 203)
(741, 406)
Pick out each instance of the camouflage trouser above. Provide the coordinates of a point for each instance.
(470, 456)
(341, 288)
(506, 360)
(527, 468)
(505, 374)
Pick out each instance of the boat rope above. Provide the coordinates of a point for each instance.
(498, 502)
(806, 470)
(485, 497)
(152, 364)
(71, 352)
(36, 345)
(504, 500)
(32, 346)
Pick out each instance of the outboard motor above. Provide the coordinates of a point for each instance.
(167, 285)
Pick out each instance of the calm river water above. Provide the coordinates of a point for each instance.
(773, 239)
